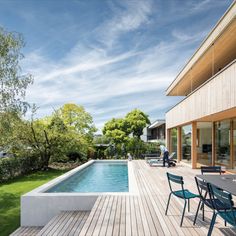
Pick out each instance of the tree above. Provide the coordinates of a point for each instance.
(119, 132)
(67, 132)
(137, 121)
(136, 147)
(116, 130)
(13, 83)
(77, 120)
(50, 138)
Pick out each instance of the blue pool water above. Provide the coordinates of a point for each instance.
(97, 177)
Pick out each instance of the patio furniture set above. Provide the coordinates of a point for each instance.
(214, 191)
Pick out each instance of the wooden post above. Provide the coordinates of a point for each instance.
(168, 137)
(179, 145)
(213, 144)
(194, 145)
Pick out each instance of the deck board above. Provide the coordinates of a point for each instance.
(136, 215)
(26, 231)
(111, 220)
(117, 220)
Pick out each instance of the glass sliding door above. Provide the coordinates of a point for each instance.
(204, 144)
(222, 143)
(173, 142)
(186, 142)
(234, 143)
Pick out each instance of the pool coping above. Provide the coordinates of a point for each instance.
(38, 206)
(133, 189)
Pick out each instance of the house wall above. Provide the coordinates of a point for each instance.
(216, 95)
(157, 133)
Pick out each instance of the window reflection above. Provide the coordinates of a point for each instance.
(186, 134)
(222, 143)
(204, 143)
(173, 141)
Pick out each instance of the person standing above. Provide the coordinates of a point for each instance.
(165, 154)
(129, 157)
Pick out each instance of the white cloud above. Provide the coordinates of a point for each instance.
(111, 82)
(98, 79)
(128, 16)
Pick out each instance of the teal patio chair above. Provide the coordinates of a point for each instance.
(205, 199)
(228, 214)
(184, 194)
(211, 169)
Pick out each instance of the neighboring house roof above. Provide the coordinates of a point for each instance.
(156, 124)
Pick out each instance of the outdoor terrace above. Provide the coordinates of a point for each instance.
(143, 214)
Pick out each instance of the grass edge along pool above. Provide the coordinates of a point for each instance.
(99, 176)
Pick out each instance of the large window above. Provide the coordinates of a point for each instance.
(204, 143)
(173, 141)
(234, 142)
(186, 141)
(222, 143)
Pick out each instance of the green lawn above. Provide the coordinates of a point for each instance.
(10, 193)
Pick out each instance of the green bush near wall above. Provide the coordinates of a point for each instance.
(12, 167)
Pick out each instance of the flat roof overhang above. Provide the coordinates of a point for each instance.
(216, 51)
(156, 124)
(219, 116)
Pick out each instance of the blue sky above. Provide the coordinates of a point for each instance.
(109, 56)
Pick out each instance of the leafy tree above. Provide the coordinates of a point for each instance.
(77, 120)
(116, 130)
(67, 133)
(136, 147)
(119, 132)
(49, 138)
(101, 140)
(13, 82)
(137, 121)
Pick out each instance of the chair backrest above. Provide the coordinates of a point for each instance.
(211, 169)
(224, 197)
(202, 188)
(226, 200)
(175, 179)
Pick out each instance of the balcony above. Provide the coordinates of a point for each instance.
(216, 95)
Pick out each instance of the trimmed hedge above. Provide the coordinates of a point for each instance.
(12, 167)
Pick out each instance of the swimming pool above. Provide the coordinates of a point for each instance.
(97, 177)
(78, 190)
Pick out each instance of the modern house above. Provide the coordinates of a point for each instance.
(202, 127)
(155, 132)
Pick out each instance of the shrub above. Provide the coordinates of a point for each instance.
(74, 156)
(15, 166)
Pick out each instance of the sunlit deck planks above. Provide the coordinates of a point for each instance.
(143, 214)
(26, 231)
(66, 223)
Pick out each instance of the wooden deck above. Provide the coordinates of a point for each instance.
(143, 214)
(26, 231)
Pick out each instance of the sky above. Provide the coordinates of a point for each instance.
(110, 56)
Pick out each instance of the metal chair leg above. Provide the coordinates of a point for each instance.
(185, 202)
(212, 224)
(168, 204)
(198, 207)
(225, 221)
(203, 212)
(188, 205)
(201, 206)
